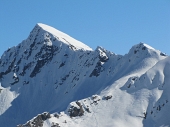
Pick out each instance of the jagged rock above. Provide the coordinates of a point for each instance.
(163, 54)
(56, 115)
(108, 97)
(98, 69)
(37, 121)
(62, 64)
(76, 110)
(55, 125)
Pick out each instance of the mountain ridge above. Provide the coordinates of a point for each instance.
(62, 36)
(45, 74)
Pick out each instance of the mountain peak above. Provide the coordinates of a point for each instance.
(52, 72)
(142, 47)
(141, 44)
(63, 37)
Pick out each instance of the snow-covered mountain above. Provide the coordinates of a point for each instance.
(51, 80)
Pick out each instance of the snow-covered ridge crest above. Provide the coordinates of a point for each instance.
(142, 47)
(49, 70)
(63, 37)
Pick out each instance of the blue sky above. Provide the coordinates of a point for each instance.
(116, 25)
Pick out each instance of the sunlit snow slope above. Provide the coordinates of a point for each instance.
(52, 72)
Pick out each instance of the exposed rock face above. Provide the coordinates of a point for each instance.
(108, 97)
(37, 121)
(76, 110)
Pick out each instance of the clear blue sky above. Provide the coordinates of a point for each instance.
(116, 25)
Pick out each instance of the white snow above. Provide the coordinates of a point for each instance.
(148, 46)
(6, 98)
(64, 37)
(44, 74)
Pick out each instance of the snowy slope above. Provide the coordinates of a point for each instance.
(49, 70)
(63, 37)
(141, 101)
(135, 100)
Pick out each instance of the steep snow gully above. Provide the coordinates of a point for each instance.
(52, 80)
